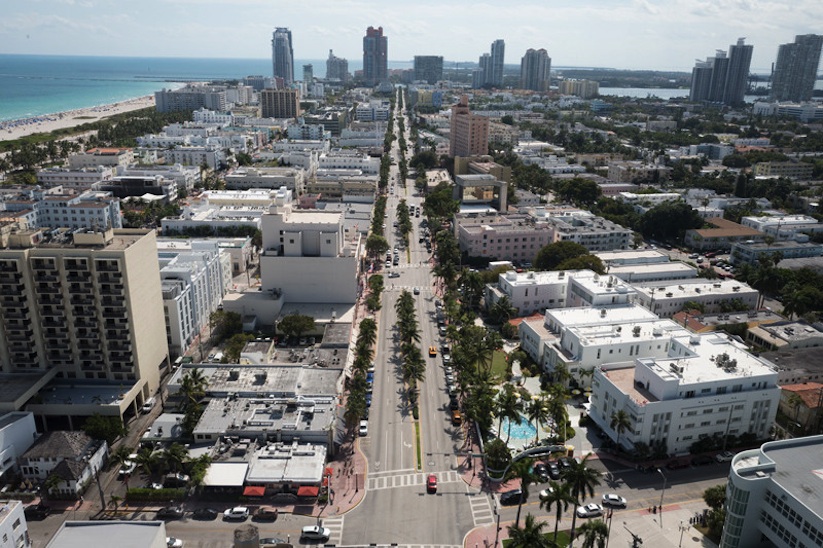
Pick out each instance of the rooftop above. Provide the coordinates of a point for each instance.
(608, 334)
(80, 534)
(689, 288)
(623, 378)
(798, 468)
(589, 315)
(809, 392)
(632, 256)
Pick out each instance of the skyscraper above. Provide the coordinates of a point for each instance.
(308, 73)
(337, 68)
(375, 56)
(279, 103)
(740, 59)
(534, 70)
(497, 55)
(428, 68)
(722, 78)
(282, 55)
(796, 68)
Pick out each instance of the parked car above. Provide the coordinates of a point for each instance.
(272, 542)
(170, 512)
(702, 460)
(614, 501)
(675, 464)
(541, 471)
(364, 428)
(368, 400)
(206, 514)
(554, 471)
(431, 484)
(545, 493)
(416, 291)
(37, 511)
(589, 511)
(173, 542)
(315, 532)
(511, 497)
(563, 463)
(238, 513)
(266, 513)
(175, 480)
(725, 456)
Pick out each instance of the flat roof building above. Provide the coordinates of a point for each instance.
(773, 496)
(666, 299)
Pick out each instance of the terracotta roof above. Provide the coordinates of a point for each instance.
(810, 392)
(725, 228)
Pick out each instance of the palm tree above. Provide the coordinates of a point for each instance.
(621, 421)
(508, 406)
(582, 480)
(193, 387)
(538, 412)
(51, 482)
(502, 310)
(594, 533)
(529, 536)
(175, 456)
(522, 470)
(560, 497)
(795, 401)
(367, 332)
(115, 501)
(120, 455)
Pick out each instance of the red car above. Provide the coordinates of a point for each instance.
(431, 484)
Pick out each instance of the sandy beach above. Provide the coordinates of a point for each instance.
(14, 129)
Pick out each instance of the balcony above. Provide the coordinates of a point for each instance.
(115, 312)
(17, 314)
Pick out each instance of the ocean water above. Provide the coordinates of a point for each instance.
(33, 85)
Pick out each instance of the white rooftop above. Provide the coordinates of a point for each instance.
(612, 333)
(589, 315)
(652, 268)
(690, 288)
(543, 277)
(632, 256)
(700, 365)
(603, 285)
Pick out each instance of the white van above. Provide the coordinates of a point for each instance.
(148, 406)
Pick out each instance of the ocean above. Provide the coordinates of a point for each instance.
(33, 85)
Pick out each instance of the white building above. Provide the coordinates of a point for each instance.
(593, 233)
(307, 256)
(373, 111)
(17, 433)
(71, 455)
(531, 292)
(773, 495)
(750, 253)
(784, 227)
(194, 276)
(48, 210)
(536, 336)
(666, 299)
(597, 290)
(108, 157)
(706, 385)
(267, 178)
(185, 176)
(74, 179)
(218, 219)
(204, 116)
(210, 155)
(645, 265)
(349, 159)
(14, 529)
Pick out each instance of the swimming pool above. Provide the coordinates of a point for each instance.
(522, 430)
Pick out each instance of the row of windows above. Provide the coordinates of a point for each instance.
(794, 518)
(789, 539)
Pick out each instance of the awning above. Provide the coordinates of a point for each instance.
(254, 491)
(308, 491)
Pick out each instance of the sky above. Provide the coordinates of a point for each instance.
(623, 34)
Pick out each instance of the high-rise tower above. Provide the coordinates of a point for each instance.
(375, 56)
(282, 55)
(722, 78)
(796, 68)
(497, 55)
(428, 68)
(337, 68)
(534, 70)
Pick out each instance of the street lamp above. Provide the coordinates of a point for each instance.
(665, 480)
(683, 529)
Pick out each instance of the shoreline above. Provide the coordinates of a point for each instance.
(15, 129)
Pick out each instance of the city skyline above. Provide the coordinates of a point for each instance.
(623, 34)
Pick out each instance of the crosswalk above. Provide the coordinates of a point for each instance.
(481, 508)
(335, 525)
(395, 480)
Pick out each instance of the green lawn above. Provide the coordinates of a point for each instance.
(563, 538)
(500, 367)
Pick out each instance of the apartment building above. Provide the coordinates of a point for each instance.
(349, 159)
(80, 307)
(211, 155)
(73, 179)
(373, 111)
(469, 133)
(194, 276)
(790, 170)
(593, 233)
(645, 265)
(705, 385)
(13, 525)
(279, 103)
(667, 298)
(107, 157)
(773, 495)
(502, 238)
(245, 178)
(531, 292)
(750, 253)
(722, 236)
(784, 227)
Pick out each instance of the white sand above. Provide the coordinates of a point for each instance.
(14, 129)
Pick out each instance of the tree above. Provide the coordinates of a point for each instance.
(550, 256)
(669, 220)
(175, 456)
(376, 245)
(224, 324)
(538, 412)
(560, 498)
(594, 533)
(104, 428)
(509, 406)
(192, 388)
(582, 480)
(502, 310)
(715, 497)
(620, 422)
(583, 262)
(522, 470)
(529, 536)
(296, 324)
